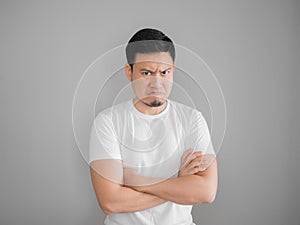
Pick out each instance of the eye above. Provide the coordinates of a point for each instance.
(165, 72)
(146, 73)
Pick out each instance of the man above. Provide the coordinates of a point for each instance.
(151, 158)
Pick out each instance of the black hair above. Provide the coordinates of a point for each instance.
(148, 40)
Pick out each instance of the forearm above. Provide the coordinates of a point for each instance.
(129, 200)
(115, 198)
(192, 189)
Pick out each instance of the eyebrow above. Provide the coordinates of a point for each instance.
(145, 69)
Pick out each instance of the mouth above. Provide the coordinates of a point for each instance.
(155, 93)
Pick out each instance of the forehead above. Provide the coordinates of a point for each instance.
(159, 59)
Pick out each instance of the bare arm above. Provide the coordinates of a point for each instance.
(200, 187)
(112, 196)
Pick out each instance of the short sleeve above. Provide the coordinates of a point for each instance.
(198, 136)
(103, 143)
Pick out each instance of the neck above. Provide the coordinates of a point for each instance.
(143, 108)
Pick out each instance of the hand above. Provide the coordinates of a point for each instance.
(206, 161)
(190, 163)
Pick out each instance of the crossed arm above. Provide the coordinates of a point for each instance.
(112, 195)
(192, 186)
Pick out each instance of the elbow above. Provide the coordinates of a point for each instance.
(208, 196)
(108, 208)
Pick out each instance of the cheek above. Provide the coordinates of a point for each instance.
(140, 85)
(169, 82)
(170, 78)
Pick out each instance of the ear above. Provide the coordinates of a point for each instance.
(128, 72)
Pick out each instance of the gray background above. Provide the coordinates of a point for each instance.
(253, 49)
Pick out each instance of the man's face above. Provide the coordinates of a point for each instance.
(152, 77)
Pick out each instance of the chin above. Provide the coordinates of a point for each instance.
(156, 99)
(153, 101)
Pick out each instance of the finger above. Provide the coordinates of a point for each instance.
(202, 168)
(195, 163)
(204, 164)
(192, 171)
(207, 161)
(208, 158)
(182, 172)
(186, 172)
(193, 156)
(185, 155)
(188, 158)
(196, 154)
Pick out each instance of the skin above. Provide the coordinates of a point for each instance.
(151, 78)
(126, 191)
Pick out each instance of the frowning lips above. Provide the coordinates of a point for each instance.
(156, 92)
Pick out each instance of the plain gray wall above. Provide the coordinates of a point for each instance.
(253, 49)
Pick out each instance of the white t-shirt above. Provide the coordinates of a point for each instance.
(153, 146)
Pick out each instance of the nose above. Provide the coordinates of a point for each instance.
(156, 80)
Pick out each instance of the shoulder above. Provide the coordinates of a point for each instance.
(184, 110)
(115, 111)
